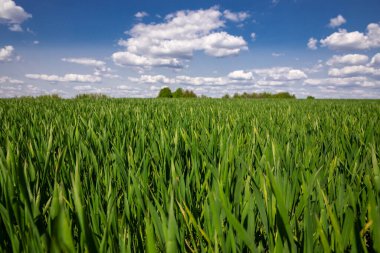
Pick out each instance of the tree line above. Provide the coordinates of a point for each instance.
(180, 93)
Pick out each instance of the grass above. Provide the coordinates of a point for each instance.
(198, 175)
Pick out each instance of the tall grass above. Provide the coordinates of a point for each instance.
(192, 176)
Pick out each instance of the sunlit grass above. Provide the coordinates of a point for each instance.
(196, 175)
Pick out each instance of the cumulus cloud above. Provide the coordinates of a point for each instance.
(280, 73)
(259, 77)
(174, 41)
(12, 15)
(182, 79)
(341, 81)
(337, 21)
(354, 40)
(85, 61)
(202, 80)
(130, 59)
(6, 53)
(83, 88)
(359, 70)
(141, 14)
(312, 44)
(240, 75)
(270, 83)
(375, 60)
(6, 79)
(236, 16)
(66, 78)
(101, 69)
(253, 36)
(151, 79)
(349, 59)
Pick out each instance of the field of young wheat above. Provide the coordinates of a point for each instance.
(196, 175)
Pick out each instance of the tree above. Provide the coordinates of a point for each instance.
(310, 97)
(189, 94)
(264, 95)
(178, 93)
(165, 93)
(91, 96)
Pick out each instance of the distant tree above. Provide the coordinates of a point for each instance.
(189, 94)
(165, 93)
(283, 95)
(226, 96)
(178, 93)
(264, 95)
(310, 97)
(91, 96)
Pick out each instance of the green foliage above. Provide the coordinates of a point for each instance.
(165, 93)
(189, 94)
(91, 96)
(178, 93)
(151, 175)
(263, 95)
(310, 97)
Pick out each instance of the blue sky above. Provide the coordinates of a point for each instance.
(328, 49)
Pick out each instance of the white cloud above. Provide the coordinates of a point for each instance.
(174, 41)
(264, 77)
(36, 42)
(280, 73)
(341, 81)
(66, 78)
(270, 83)
(15, 28)
(6, 53)
(240, 75)
(85, 61)
(349, 59)
(200, 81)
(153, 79)
(316, 68)
(236, 16)
(183, 80)
(141, 14)
(130, 59)
(375, 60)
(354, 40)
(359, 70)
(12, 15)
(83, 88)
(101, 70)
(253, 36)
(274, 54)
(337, 21)
(312, 44)
(6, 79)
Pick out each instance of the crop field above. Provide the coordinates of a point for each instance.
(189, 175)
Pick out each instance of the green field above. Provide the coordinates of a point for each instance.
(189, 175)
